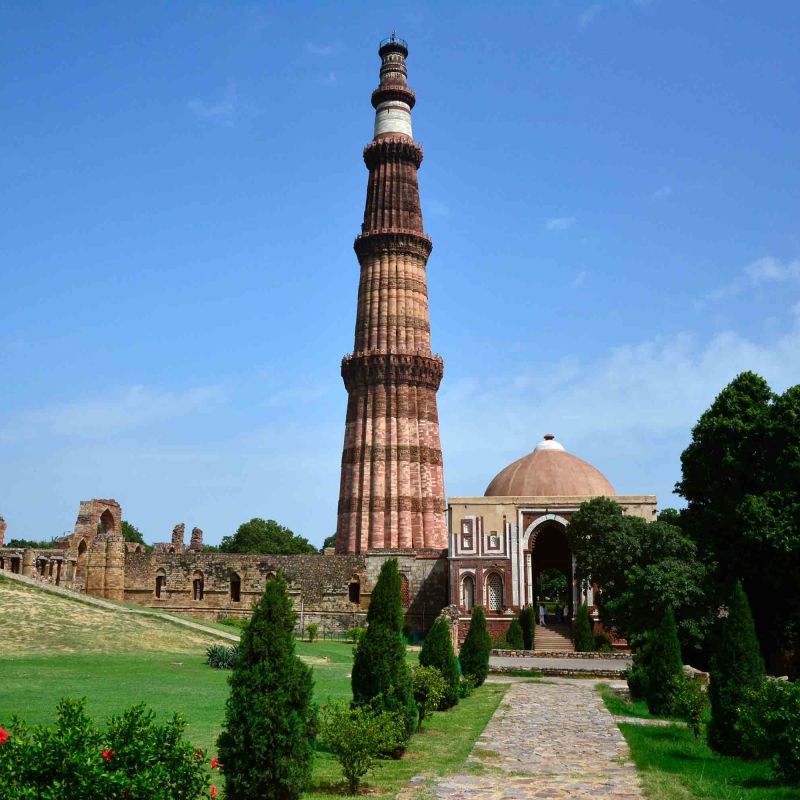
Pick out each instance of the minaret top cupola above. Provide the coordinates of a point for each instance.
(393, 100)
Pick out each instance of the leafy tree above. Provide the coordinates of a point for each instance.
(664, 667)
(737, 668)
(552, 584)
(330, 541)
(527, 621)
(437, 651)
(30, 544)
(380, 676)
(477, 648)
(582, 630)
(741, 479)
(130, 533)
(643, 568)
(266, 745)
(260, 536)
(514, 635)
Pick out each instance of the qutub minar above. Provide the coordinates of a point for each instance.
(490, 550)
(392, 487)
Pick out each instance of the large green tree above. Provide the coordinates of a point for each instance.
(741, 480)
(265, 536)
(267, 742)
(130, 533)
(643, 568)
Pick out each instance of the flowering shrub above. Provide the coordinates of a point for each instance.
(133, 757)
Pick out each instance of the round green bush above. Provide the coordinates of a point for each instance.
(477, 648)
(437, 651)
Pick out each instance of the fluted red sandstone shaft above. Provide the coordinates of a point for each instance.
(392, 486)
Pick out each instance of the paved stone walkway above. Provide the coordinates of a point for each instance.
(553, 741)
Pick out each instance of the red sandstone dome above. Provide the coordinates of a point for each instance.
(550, 471)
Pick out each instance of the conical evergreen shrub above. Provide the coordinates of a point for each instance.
(736, 668)
(514, 635)
(437, 651)
(381, 677)
(582, 634)
(267, 741)
(477, 648)
(527, 621)
(664, 667)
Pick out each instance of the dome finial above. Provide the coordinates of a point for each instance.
(548, 437)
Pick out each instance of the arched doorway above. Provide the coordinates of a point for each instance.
(80, 564)
(106, 521)
(551, 571)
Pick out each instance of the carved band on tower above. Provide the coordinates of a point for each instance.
(392, 487)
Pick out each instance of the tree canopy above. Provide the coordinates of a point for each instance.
(130, 533)
(741, 480)
(330, 541)
(643, 568)
(259, 536)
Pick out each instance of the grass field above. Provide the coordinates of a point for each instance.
(676, 766)
(55, 647)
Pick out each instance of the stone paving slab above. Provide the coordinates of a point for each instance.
(553, 741)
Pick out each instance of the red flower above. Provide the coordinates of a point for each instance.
(213, 791)
(108, 754)
(3, 735)
(215, 763)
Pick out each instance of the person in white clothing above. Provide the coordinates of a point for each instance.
(541, 614)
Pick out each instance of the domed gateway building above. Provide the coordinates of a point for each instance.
(509, 548)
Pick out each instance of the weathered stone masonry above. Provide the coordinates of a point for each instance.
(392, 487)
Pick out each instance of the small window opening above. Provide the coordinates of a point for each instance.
(236, 588)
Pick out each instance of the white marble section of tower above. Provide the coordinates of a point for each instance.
(393, 114)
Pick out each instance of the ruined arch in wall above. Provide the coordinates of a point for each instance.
(354, 589)
(106, 522)
(545, 541)
(235, 582)
(161, 582)
(80, 564)
(198, 585)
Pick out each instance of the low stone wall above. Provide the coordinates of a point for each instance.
(561, 654)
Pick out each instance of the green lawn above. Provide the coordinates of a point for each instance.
(676, 766)
(55, 647)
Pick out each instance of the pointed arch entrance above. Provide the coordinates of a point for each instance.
(549, 574)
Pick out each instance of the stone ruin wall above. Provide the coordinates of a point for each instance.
(319, 585)
(95, 559)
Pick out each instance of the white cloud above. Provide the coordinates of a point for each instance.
(321, 50)
(661, 192)
(579, 280)
(589, 14)
(766, 270)
(221, 111)
(123, 410)
(629, 412)
(559, 223)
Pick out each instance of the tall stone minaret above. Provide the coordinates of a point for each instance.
(392, 487)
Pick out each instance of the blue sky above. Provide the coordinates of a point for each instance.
(611, 187)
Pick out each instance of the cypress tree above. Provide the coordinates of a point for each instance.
(381, 678)
(514, 635)
(477, 648)
(266, 745)
(527, 621)
(582, 630)
(736, 668)
(437, 651)
(664, 666)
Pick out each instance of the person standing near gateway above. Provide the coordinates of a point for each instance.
(566, 613)
(541, 614)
